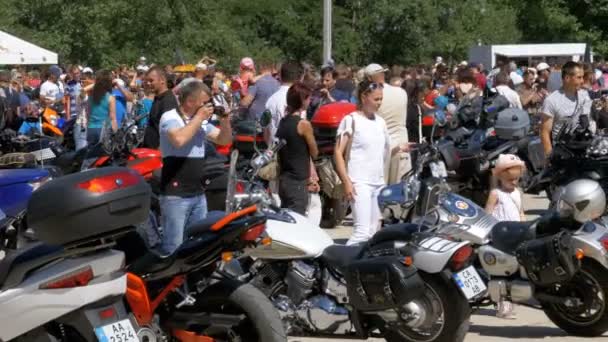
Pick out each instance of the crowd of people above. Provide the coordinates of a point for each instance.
(373, 141)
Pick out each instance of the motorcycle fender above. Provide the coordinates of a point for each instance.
(588, 240)
(432, 254)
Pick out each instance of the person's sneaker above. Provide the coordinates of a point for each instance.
(504, 310)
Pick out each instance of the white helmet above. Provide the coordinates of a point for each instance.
(583, 200)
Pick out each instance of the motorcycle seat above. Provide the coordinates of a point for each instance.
(339, 256)
(395, 232)
(18, 263)
(507, 236)
(150, 263)
(205, 224)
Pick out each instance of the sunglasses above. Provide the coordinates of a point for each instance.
(373, 86)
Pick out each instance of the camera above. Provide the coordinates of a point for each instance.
(219, 111)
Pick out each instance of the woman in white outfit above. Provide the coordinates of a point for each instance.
(363, 173)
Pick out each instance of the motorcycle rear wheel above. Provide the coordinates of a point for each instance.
(590, 284)
(455, 314)
(261, 323)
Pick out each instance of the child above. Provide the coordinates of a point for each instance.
(505, 203)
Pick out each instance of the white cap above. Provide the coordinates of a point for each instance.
(374, 69)
(439, 59)
(142, 68)
(87, 70)
(542, 66)
(142, 59)
(463, 63)
(201, 66)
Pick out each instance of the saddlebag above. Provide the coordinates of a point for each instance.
(382, 283)
(549, 260)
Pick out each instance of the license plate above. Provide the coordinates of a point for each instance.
(438, 169)
(470, 282)
(121, 331)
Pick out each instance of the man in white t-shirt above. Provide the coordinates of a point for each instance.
(277, 102)
(394, 112)
(51, 91)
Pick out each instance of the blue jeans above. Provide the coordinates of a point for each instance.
(177, 214)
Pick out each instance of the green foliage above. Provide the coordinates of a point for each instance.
(109, 32)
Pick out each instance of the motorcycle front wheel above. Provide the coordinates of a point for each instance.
(260, 321)
(447, 314)
(590, 319)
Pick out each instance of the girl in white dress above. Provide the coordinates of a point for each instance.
(505, 203)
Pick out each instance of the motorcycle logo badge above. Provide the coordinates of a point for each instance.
(461, 205)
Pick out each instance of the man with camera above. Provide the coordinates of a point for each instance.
(183, 132)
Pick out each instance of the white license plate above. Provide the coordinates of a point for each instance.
(470, 282)
(121, 331)
(438, 169)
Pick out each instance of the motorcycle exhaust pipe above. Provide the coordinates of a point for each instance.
(568, 301)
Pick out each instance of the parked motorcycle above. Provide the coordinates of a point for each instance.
(399, 286)
(558, 260)
(168, 298)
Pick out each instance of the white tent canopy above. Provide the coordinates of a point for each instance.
(15, 51)
(487, 54)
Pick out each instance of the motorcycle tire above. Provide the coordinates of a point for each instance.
(262, 324)
(597, 274)
(456, 312)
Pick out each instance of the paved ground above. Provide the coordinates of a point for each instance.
(530, 324)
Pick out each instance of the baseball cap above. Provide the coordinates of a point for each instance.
(142, 59)
(247, 64)
(463, 63)
(142, 68)
(201, 66)
(55, 71)
(542, 66)
(373, 69)
(87, 70)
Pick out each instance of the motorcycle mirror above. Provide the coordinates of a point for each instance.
(265, 118)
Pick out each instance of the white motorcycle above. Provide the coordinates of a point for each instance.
(556, 260)
(70, 285)
(402, 285)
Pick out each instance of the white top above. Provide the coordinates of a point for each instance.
(370, 148)
(511, 95)
(52, 90)
(276, 104)
(508, 205)
(394, 112)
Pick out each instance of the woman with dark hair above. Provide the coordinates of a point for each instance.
(364, 142)
(295, 156)
(471, 98)
(102, 107)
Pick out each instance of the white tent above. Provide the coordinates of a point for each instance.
(17, 51)
(487, 54)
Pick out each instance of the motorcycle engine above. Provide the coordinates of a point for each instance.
(304, 311)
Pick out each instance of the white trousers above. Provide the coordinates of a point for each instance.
(366, 213)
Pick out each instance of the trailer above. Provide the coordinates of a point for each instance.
(529, 54)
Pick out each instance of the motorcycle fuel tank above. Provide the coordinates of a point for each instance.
(293, 237)
(471, 223)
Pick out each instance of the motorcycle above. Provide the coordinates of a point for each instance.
(553, 260)
(401, 282)
(481, 138)
(577, 153)
(172, 297)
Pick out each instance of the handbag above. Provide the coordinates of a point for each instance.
(338, 191)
